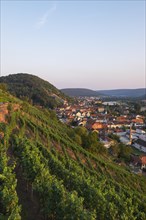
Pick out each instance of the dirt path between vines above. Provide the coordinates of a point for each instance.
(29, 204)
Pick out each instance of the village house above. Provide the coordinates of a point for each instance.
(138, 121)
(99, 126)
(121, 118)
(143, 162)
(107, 142)
(83, 122)
(110, 103)
(139, 161)
(140, 144)
(143, 108)
(118, 124)
(101, 109)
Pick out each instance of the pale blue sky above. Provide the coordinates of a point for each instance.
(88, 44)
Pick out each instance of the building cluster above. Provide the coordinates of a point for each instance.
(105, 118)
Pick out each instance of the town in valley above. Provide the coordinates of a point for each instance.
(122, 121)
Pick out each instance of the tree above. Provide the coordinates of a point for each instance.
(82, 131)
(115, 137)
(9, 107)
(115, 149)
(124, 152)
(137, 108)
(3, 87)
(77, 138)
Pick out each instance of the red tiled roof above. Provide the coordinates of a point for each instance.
(138, 120)
(143, 160)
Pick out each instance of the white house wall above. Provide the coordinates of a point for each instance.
(139, 147)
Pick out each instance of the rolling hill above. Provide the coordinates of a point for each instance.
(76, 92)
(35, 89)
(45, 174)
(132, 93)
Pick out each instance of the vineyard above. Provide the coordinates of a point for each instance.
(62, 180)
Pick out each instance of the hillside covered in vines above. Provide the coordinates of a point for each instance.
(45, 174)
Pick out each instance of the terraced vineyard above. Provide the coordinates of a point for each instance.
(41, 166)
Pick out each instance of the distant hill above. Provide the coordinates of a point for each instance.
(133, 93)
(143, 96)
(34, 88)
(80, 92)
(124, 92)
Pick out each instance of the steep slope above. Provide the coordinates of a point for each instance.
(34, 88)
(64, 181)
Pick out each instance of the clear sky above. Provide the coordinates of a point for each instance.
(81, 44)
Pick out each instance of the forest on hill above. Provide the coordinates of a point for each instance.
(34, 89)
(133, 93)
(46, 174)
(76, 92)
(119, 93)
